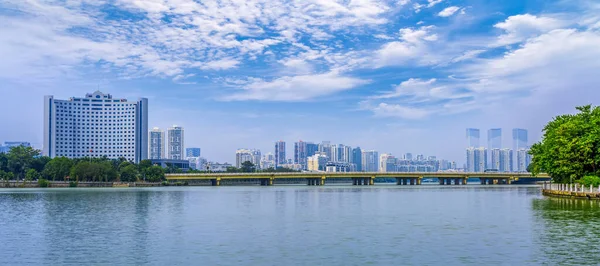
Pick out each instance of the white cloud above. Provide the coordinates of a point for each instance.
(413, 47)
(221, 64)
(521, 27)
(431, 3)
(396, 110)
(467, 55)
(448, 11)
(295, 88)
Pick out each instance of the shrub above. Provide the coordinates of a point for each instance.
(589, 180)
(73, 184)
(43, 182)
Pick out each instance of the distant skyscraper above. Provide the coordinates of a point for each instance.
(157, 144)
(476, 159)
(506, 163)
(357, 158)
(325, 147)
(370, 161)
(247, 155)
(408, 156)
(192, 152)
(473, 138)
(494, 138)
(311, 149)
(520, 139)
(495, 159)
(300, 153)
(96, 125)
(280, 153)
(520, 142)
(387, 163)
(523, 160)
(175, 143)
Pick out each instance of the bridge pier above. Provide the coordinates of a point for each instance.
(215, 182)
(412, 181)
(404, 181)
(266, 182)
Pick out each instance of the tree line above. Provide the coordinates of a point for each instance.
(570, 148)
(25, 163)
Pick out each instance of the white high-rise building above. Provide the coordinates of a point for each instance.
(495, 159)
(157, 144)
(523, 160)
(387, 163)
(246, 155)
(476, 159)
(96, 125)
(506, 160)
(370, 161)
(176, 143)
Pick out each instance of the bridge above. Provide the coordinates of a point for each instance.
(359, 178)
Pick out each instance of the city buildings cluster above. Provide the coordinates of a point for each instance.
(9, 144)
(496, 157)
(99, 125)
(324, 156)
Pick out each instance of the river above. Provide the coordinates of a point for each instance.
(297, 225)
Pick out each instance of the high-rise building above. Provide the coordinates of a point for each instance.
(175, 143)
(506, 163)
(523, 160)
(192, 152)
(325, 147)
(473, 138)
(311, 149)
(495, 159)
(420, 157)
(267, 161)
(96, 126)
(476, 159)
(519, 139)
(247, 155)
(387, 163)
(408, 156)
(370, 161)
(317, 162)
(520, 142)
(280, 153)
(494, 138)
(157, 144)
(357, 158)
(300, 153)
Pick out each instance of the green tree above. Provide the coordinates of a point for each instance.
(58, 168)
(101, 170)
(155, 174)
(20, 159)
(39, 163)
(32, 174)
(247, 167)
(570, 147)
(129, 173)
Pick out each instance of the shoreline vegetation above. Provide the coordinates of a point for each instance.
(570, 153)
(24, 167)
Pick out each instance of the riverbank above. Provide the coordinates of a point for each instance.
(571, 191)
(63, 184)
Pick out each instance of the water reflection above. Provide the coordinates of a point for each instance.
(567, 230)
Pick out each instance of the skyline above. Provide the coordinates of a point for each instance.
(392, 76)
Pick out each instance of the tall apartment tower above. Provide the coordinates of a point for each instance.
(157, 144)
(473, 138)
(520, 146)
(280, 153)
(176, 143)
(494, 137)
(192, 152)
(300, 153)
(370, 161)
(96, 125)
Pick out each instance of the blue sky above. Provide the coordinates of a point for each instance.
(396, 76)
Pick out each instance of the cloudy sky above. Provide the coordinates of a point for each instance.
(392, 75)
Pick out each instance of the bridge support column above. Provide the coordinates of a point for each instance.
(448, 181)
(398, 181)
(419, 180)
(442, 181)
(372, 181)
(355, 181)
(215, 182)
(412, 181)
(457, 181)
(464, 180)
(404, 181)
(482, 180)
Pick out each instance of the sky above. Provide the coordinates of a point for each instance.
(395, 76)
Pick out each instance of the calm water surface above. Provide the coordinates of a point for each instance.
(297, 225)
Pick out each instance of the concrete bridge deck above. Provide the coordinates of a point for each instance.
(359, 178)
